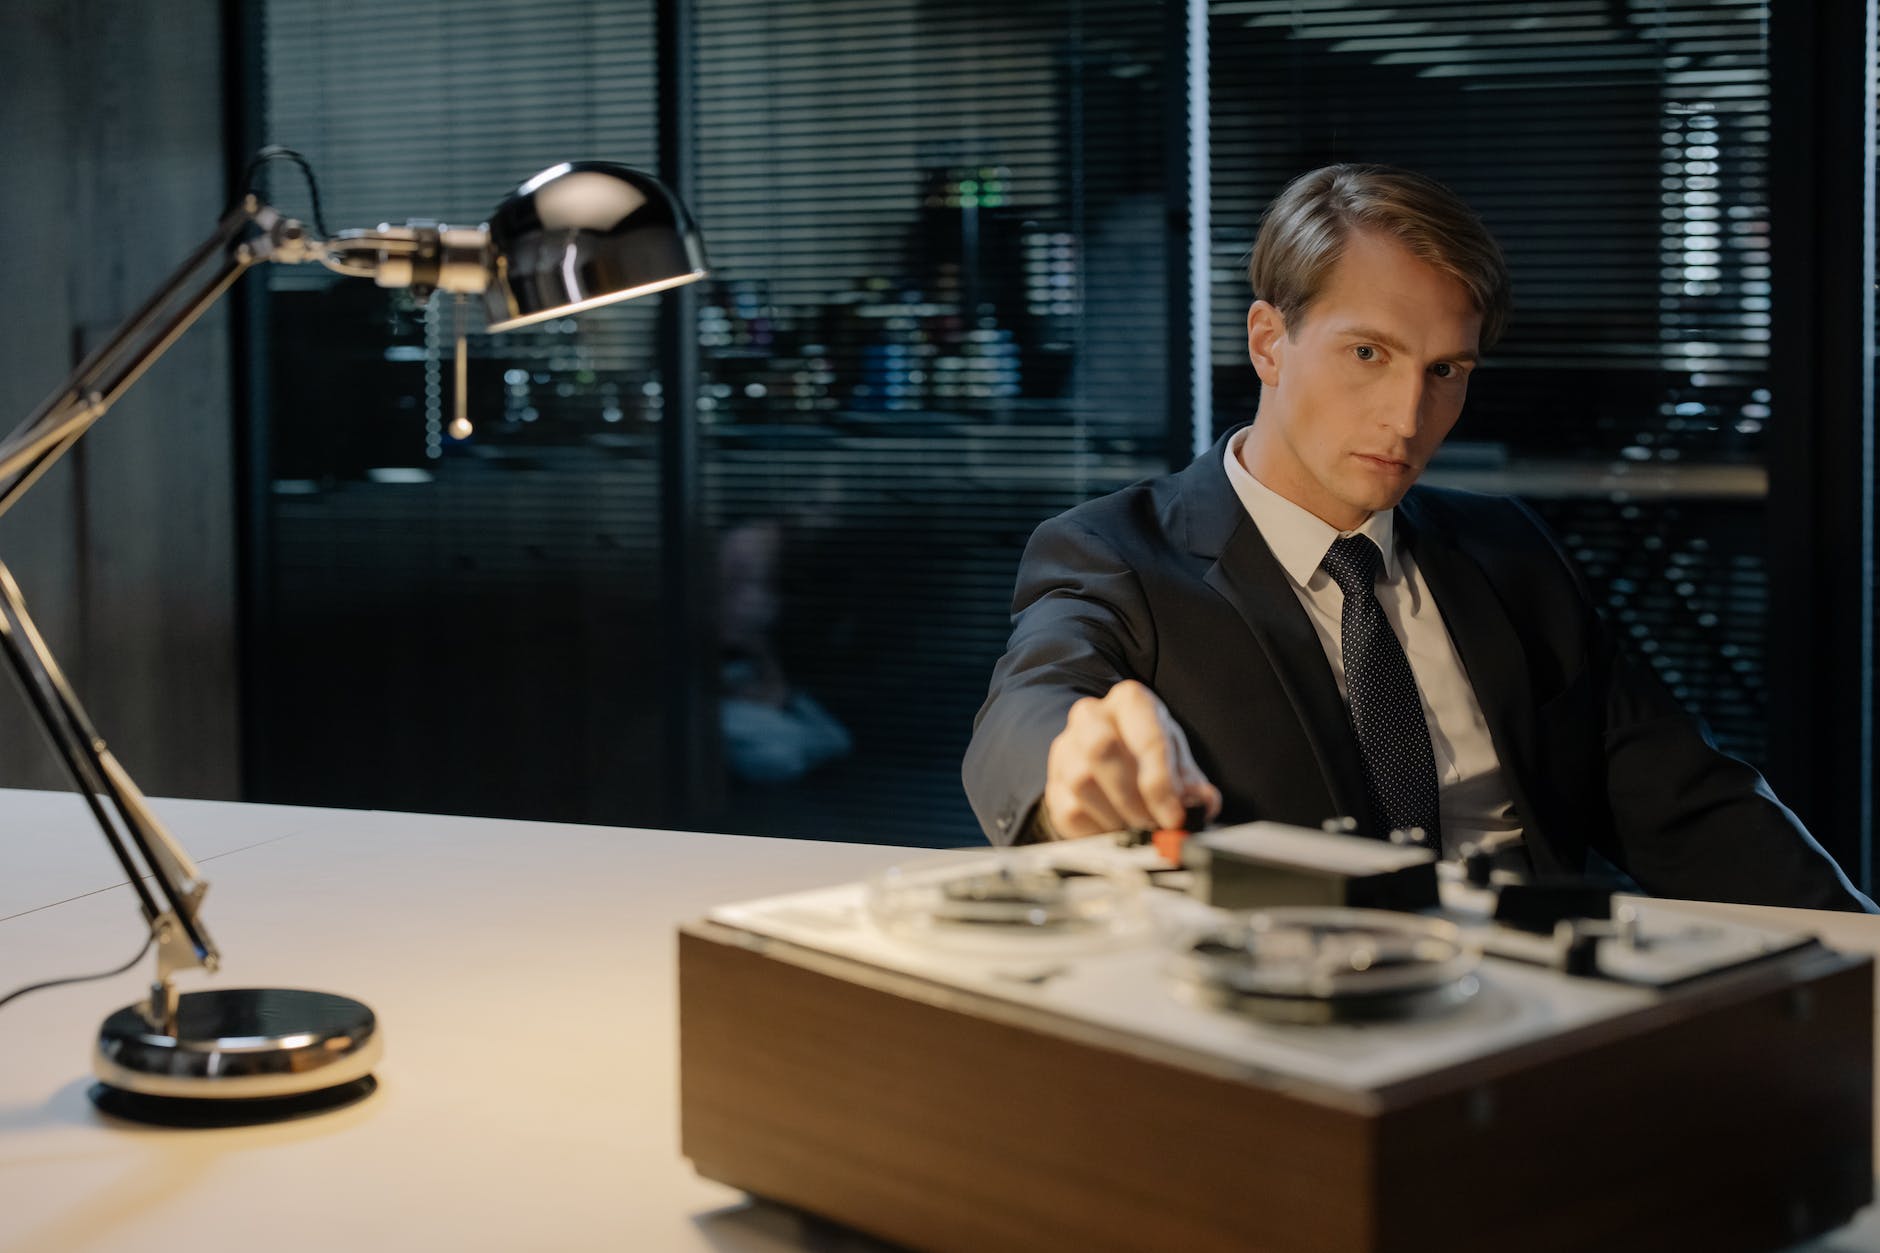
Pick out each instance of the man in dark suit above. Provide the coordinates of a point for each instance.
(1288, 629)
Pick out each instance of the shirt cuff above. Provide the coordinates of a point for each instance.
(1037, 828)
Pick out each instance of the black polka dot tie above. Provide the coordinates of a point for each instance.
(1386, 713)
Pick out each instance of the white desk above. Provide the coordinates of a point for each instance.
(523, 974)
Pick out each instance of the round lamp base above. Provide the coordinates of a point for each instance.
(187, 1111)
(240, 1055)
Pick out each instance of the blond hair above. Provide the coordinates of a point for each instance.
(1304, 230)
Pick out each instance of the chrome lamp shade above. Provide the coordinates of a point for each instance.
(583, 234)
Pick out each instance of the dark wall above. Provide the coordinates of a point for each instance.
(113, 153)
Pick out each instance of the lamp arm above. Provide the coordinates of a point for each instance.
(248, 234)
(37, 685)
(104, 376)
(129, 827)
(251, 232)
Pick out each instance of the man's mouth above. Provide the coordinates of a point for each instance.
(1393, 465)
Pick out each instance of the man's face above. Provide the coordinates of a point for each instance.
(1356, 400)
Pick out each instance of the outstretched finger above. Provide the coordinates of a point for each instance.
(1193, 786)
(1158, 778)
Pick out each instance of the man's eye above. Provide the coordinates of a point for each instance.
(1365, 352)
(1443, 370)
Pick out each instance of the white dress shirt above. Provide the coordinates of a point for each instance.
(1472, 797)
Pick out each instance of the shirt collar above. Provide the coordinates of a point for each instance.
(1298, 538)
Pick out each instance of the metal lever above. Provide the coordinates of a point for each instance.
(460, 427)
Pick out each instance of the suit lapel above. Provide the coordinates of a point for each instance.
(1486, 642)
(1250, 578)
(1247, 575)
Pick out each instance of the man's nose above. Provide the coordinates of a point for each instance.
(1405, 417)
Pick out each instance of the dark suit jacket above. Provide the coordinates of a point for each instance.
(1170, 583)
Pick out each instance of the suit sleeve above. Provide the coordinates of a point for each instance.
(1080, 625)
(1689, 820)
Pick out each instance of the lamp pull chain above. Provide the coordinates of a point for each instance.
(460, 379)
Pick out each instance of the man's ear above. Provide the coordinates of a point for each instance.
(1266, 341)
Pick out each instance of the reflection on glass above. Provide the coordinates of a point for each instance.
(773, 731)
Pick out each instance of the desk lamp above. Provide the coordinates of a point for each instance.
(577, 235)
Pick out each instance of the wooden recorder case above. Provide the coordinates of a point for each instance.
(1732, 1112)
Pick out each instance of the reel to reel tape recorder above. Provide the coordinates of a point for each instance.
(1082, 1045)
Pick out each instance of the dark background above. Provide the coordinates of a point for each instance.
(952, 246)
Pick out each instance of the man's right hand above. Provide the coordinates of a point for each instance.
(1122, 762)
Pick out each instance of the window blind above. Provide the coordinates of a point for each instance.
(939, 316)
(939, 232)
(464, 627)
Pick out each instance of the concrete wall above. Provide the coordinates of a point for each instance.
(111, 170)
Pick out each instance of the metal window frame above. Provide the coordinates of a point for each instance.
(1821, 505)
